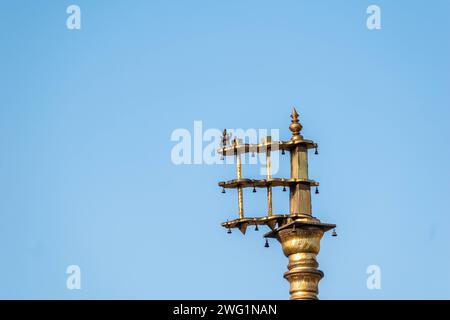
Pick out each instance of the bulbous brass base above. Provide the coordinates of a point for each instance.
(301, 244)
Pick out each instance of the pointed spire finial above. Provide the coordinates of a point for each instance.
(294, 114)
(295, 126)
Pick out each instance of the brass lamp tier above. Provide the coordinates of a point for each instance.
(298, 231)
(277, 221)
(273, 182)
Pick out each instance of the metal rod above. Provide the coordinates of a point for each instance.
(269, 201)
(239, 176)
(269, 176)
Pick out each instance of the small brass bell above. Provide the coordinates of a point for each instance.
(266, 245)
(254, 189)
(223, 190)
(256, 228)
(317, 190)
(284, 188)
(316, 152)
(282, 152)
(229, 230)
(334, 234)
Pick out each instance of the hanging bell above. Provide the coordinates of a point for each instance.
(223, 190)
(334, 234)
(256, 227)
(266, 245)
(282, 152)
(317, 190)
(229, 230)
(316, 152)
(254, 189)
(284, 188)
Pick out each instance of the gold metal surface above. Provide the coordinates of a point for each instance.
(239, 176)
(267, 142)
(295, 126)
(300, 194)
(262, 147)
(275, 182)
(298, 231)
(301, 246)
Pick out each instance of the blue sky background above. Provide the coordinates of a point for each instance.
(86, 117)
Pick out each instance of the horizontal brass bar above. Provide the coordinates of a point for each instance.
(262, 147)
(302, 219)
(273, 182)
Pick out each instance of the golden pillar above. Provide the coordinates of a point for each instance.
(298, 231)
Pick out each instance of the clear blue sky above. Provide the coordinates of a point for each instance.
(86, 118)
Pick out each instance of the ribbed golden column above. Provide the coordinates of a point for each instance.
(301, 246)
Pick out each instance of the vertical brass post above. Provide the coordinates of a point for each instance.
(302, 244)
(239, 176)
(267, 141)
(300, 194)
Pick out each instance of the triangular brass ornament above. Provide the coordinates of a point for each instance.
(243, 228)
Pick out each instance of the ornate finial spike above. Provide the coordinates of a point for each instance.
(295, 126)
(294, 114)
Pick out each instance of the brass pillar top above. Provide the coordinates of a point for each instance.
(299, 232)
